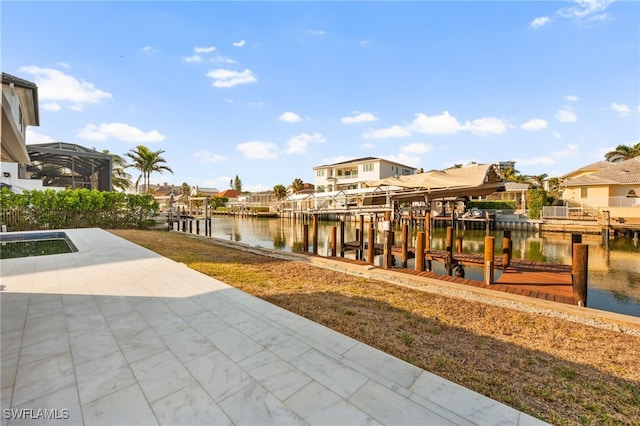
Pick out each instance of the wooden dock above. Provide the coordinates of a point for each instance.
(540, 280)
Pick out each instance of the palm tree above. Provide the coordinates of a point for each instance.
(147, 162)
(623, 152)
(297, 185)
(514, 175)
(120, 179)
(279, 191)
(537, 180)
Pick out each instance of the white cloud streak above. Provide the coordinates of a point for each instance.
(300, 143)
(120, 131)
(535, 124)
(200, 49)
(230, 78)
(363, 117)
(206, 157)
(64, 90)
(390, 132)
(258, 150)
(566, 115)
(239, 43)
(622, 109)
(540, 22)
(290, 117)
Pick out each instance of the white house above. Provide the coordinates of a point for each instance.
(19, 110)
(353, 173)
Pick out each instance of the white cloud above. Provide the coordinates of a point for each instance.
(299, 143)
(219, 59)
(64, 65)
(571, 150)
(200, 49)
(416, 148)
(51, 106)
(441, 124)
(390, 132)
(566, 115)
(336, 159)
(290, 117)
(258, 150)
(35, 137)
(192, 59)
(207, 157)
(256, 104)
(121, 131)
(622, 109)
(230, 78)
(557, 135)
(147, 49)
(586, 9)
(239, 43)
(571, 98)
(539, 22)
(61, 88)
(487, 125)
(403, 158)
(359, 118)
(317, 32)
(535, 124)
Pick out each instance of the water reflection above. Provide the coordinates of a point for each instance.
(614, 268)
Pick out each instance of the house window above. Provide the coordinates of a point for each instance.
(339, 172)
(351, 173)
(367, 167)
(632, 194)
(320, 172)
(584, 192)
(320, 188)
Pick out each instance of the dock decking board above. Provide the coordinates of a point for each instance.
(534, 279)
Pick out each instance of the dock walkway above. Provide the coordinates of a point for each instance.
(541, 280)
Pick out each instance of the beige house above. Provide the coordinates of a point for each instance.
(353, 173)
(605, 186)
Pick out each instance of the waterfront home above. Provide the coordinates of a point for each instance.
(513, 191)
(19, 110)
(353, 173)
(614, 187)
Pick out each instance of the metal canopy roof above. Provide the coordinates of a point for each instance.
(71, 165)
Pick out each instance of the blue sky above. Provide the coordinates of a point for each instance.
(268, 90)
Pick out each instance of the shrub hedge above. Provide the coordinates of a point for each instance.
(75, 208)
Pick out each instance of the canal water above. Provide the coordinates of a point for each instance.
(614, 268)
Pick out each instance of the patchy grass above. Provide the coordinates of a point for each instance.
(558, 371)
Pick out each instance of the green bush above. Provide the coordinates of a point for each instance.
(76, 208)
(536, 199)
(492, 205)
(260, 209)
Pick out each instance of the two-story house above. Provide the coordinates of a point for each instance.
(353, 173)
(19, 110)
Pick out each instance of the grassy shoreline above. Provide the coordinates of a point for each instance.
(558, 371)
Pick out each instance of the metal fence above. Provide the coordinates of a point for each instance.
(564, 212)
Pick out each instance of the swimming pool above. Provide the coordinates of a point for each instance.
(14, 245)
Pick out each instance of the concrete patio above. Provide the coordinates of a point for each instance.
(116, 334)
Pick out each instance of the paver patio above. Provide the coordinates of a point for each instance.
(116, 334)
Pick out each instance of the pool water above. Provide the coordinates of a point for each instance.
(34, 244)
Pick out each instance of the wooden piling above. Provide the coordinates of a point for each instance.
(334, 233)
(342, 238)
(305, 236)
(405, 245)
(506, 249)
(371, 244)
(489, 248)
(449, 251)
(427, 237)
(315, 234)
(388, 254)
(579, 273)
(459, 245)
(420, 238)
(361, 237)
(198, 227)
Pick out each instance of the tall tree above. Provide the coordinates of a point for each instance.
(537, 180)
(279, 191)
(120, 179)
(297, 185)
(237, 184)
(147, 162)
(623, 152)
(185, 189)
(514, 175)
